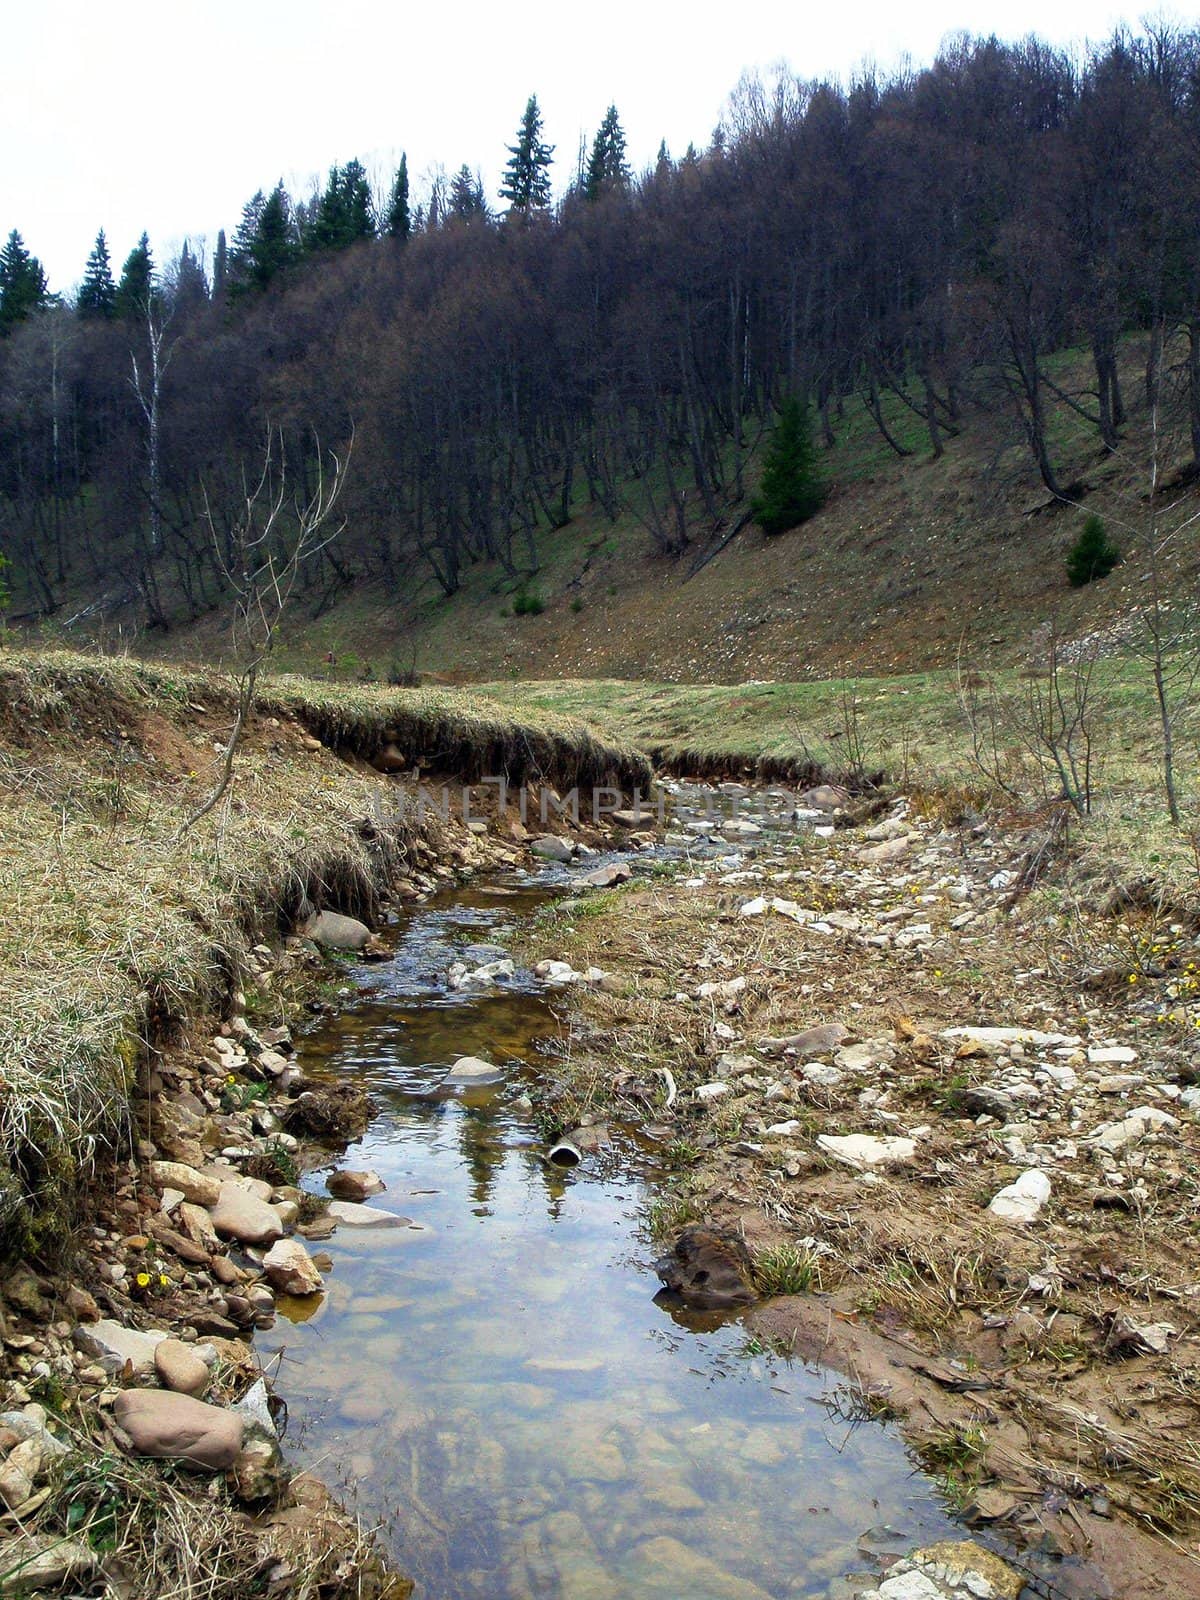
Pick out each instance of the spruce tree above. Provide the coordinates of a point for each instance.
(266, 242)
(607, 169)
(97, 298)
(398, 224)
(220, 266)
(466, 202)
(343, 214)
(22, 283)
(136, 287)
(793, 485)
(188, 286)
(1093, 555)
(526, 184)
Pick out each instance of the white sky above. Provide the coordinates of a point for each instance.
(170, 116)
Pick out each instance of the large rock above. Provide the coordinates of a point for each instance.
(551, 848)
(608, 877)
(350, 1185)
(179, 1428)
(825, 797)
(966, 1566)
(709, 1268)
(1021, 1201)
(335, 931)
(34, 1563)
(470, 1072)
(290, 1270)
(180, 1369)
(356, 1216)
(889, 850)
(242, 1216)
(200, 1188)
(867, 1151)
(112, 1346)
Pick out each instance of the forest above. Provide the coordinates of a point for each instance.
(474, 368)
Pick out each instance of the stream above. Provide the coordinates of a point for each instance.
(498, 1392)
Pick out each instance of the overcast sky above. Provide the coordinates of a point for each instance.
(169, 116)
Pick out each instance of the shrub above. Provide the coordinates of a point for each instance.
(1093, 555)
(528, 603)
(793, 486)
(577, 604)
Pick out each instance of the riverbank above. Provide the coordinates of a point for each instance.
(957, 1126)
(152, 970)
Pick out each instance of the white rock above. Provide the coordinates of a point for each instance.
(721, 991)
(821, 1075)
(1021, 1201)
(999, 1037)
(472, 1072)
(112, 1345)
(712, 1091)
(910, 1586)
(864, 1151)
(1114, 1055)
(358, 1216)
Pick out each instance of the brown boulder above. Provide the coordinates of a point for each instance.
(179, 1428)
(709, 1268)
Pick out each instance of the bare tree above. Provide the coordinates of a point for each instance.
(260, 558)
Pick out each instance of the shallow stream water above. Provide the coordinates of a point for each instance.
(500, 1393)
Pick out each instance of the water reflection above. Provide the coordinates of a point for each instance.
(505, 1393)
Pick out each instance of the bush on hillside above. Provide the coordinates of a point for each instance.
(1093, 555)
(793, 485)
(528, 603)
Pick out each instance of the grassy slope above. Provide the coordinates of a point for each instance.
(119, 927)
(908, 557)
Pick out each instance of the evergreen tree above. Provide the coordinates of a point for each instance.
(526, 184)
(137, 281)
(607, 169)
(266, 242)
(793, 485)
(1093, 555)
(343, 214)
(220, 266)
(399, 220)
(466, 201)
(97, 297)
(22, 283)
(187, 284)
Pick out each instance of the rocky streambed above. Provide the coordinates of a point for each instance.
(467, 1338)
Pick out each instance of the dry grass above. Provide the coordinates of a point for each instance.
(118, 929)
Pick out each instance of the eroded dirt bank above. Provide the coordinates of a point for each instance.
(961, 1124)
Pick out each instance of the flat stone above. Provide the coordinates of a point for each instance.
(552, 848)
(351, 1185)
(471, 1072)
(200, 1188)
(1113, 1055)
(867, 1151)
(889, 850)
(244, 1217)
(1021, 1201)
(180, 1369)
(179, 1428)
(356, 1216)
(44, 1561)
(608, 877)
(1114, 1136)
(998, 1038)
(712, 1091)
(910, 1586)
(290, 1270)
(112, 1345)
(335, 931)
(811, 1042)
